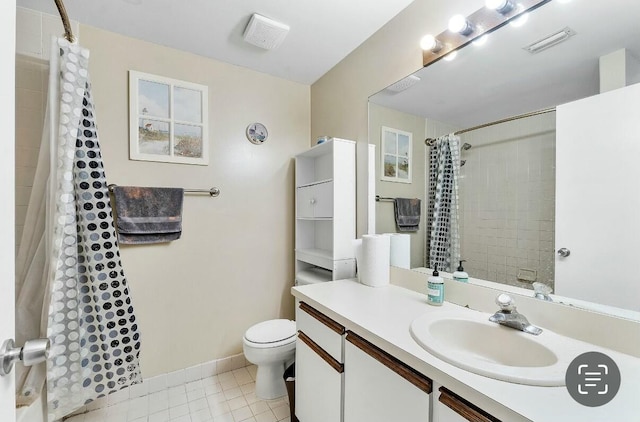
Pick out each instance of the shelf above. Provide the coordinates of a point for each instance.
(314, 218)
(313, 275)
(320, 257)
(317, 182)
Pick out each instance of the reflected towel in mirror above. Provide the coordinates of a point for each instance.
(407, 214)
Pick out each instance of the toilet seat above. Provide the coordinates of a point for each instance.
(272, 333)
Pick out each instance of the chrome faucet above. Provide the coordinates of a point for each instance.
(508, 316)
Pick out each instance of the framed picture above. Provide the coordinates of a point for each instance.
(396, 160)
(168, 120)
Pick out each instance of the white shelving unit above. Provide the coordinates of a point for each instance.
(326, 209)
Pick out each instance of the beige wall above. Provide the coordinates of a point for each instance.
(385, 222)
(339, 98)
(233, 266)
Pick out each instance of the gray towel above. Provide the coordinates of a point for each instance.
(407, 213)
(148, 215)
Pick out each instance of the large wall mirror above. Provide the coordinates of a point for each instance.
(565, 180)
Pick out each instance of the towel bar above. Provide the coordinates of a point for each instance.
(212, 192)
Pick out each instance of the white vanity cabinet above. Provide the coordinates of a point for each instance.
(380, 388)
(326, 208)
(450, 407)
(319, 366)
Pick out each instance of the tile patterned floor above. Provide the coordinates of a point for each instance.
(226, 397)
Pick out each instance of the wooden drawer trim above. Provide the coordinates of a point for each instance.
(462, 407)
(397, 366)
(322, 318)
(339, 367)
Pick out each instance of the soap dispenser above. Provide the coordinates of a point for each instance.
(435, 288)
(460, 274)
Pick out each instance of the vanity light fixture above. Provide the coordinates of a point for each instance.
(430, 43)
(460, 25)
(501, 6)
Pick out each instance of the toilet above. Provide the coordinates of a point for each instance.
(271, 346)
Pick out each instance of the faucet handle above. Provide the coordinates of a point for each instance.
(505, 302)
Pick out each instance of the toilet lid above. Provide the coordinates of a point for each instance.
(271, 331)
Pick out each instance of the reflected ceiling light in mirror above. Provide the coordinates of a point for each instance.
(480, 41)
(430, 43)
(501, 6)
(520, 20)
(460, 25)
(451, 56)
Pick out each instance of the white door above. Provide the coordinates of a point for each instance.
(7, 182)
(598, 198)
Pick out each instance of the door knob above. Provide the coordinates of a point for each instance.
(33, 352)
(564, 252)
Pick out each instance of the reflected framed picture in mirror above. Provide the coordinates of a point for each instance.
(396, 155)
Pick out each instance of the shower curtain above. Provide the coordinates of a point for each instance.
(443, 241)
(86, 306)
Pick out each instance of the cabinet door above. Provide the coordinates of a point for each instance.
(305, 202)
(323, 195)
(374, 392)
(453, 408)
(318, 383)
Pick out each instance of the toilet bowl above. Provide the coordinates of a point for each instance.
(271, 346)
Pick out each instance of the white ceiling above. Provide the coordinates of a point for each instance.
(500, 79)
(322, 32)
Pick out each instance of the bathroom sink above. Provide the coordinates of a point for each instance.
(468, 340)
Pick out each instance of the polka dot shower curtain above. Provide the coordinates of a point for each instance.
(90, 322)
(443, 240)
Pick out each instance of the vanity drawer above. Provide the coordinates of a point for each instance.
(324, 331)
(453, 408)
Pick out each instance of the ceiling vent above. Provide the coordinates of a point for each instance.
(264, 32)
(550, 40)
(403, 84)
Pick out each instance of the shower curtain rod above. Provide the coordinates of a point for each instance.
(65, 21)
(430, 141)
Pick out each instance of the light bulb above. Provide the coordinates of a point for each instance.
(430, 43)
(449, 57)
(500, 6)
(460, 24)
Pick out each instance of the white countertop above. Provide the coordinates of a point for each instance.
(383, 316)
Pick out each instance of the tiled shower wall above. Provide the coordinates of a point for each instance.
(31, 94)
(507, 202)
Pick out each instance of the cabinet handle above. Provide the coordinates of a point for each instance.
(462, 407)
(322, 318)
(339, 367)
(400, 368)
(312, 201)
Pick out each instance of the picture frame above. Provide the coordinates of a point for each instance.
(396, 161)
(168, 120)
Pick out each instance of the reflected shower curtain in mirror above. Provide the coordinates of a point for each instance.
(90, 320)
(443, 240)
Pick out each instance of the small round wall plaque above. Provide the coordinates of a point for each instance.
(257, 133)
